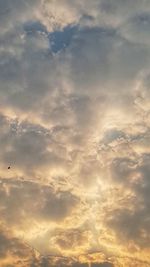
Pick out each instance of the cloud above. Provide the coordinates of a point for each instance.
(48, 205)
(12, 250)
(74, 116)
(137, 29)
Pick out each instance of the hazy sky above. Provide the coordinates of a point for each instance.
(75, 129)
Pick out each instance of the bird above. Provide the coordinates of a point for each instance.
(8, 167)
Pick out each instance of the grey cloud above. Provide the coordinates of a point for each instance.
(133, 224)
(48, 205)
(80, 265)
(122, 168)
(35, 84)
(130, 216)
(12, 247)
(26, 77)
(25, 146)
(124, 8)
(137, 29)
(113, 135)
(92, 58)
(60, 206)
(12, 13)
(105, 264)
(105, 69)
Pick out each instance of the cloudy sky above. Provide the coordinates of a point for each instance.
(75, 130)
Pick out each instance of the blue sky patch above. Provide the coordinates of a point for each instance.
(60, 39)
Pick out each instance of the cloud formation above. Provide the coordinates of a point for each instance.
(74, 116)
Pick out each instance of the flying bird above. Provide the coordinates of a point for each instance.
(8, 167)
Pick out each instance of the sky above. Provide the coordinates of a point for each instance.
(75, 131)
